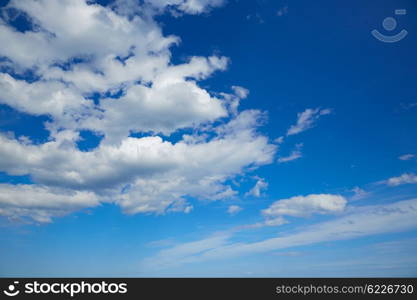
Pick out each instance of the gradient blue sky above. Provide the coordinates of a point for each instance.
(269, 138)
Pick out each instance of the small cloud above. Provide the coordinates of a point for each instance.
(407, 178)
(188, 209)
(282, 11)
(256, 191)
(406, 157)
(303, 206)
(407, 106)
(358, 194)
(307, 120)
(277, 221)
(233, 100)
(241, 92)
(279, 140)
(257, 17)
(295, 154)
(233, 209)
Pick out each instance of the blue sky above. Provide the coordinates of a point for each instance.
(207, 138)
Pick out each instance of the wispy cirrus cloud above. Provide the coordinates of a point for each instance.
(406, 157)
(406, 178)
(307, 119)
(282, 11)
(359, 194)
(356, 222)
(295, 154)
(234, 209)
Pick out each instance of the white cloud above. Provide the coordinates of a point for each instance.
(183, 253)
(282, 11)
(233, 100)
(152, 175)
(257, 189)
(355, 223)
(303, 206)
(406, 157)
(54, 99)
(359, 194)
(73, 28)
(116, 53)
(407, 106)
(407, 178)
(241, 92)
(279, 140)
(186, 6)
(171, 103)
(274, 221)
(295, 154)
(78, 49)
(233, 209)
(307, 120)
(41, 203)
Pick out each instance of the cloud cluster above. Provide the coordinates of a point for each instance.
(108, 70)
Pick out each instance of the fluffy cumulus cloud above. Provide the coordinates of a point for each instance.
(307, 119)
(303, 206)
(41, 203)
(234, 209)
(108, 70)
